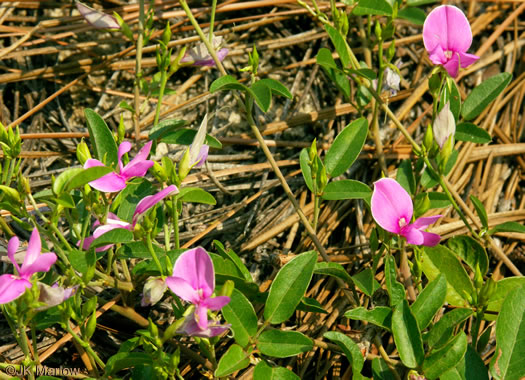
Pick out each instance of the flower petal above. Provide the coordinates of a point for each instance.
(12, 287)
(413, 235)
(452, 66)
(123, 148)
(41, 264)
(201, 156)
(151, 200)
(96, 18)
(91, 163)
(33, 250)
(110, 183)
(196, 267)
(201, 316)
(424, 222)
(448, 27)
(430, 239)
(12, 246)
(390, 202)
(467, 59)
(216, 303)
(183, 289)
(444, 125)
(139, 165)
(191, 328)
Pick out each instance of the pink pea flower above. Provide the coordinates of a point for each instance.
(13, 286)
(191, 328)
(137, 167)
(447, 37)
(392, 209)
(97, 19)
(193, 280)
(199, 55)
(113, 221)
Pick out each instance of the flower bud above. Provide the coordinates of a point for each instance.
(159, 172)
(154, 290)
(83, 153)
(444, 126)
(428, 139)
(184, 165)
(322, 180)
(487, 292)
(166, 34)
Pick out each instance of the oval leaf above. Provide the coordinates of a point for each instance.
(347, 189)
(379, 315)
(282, 344)
(86, 176)
(440, 259)
(241, 315)
(442, 331)
(233, 360)
(289, 287)
(472, 133)
(101, 138)
(373, 7)
(118, 235)
(470, 251)
(276, 87)
(262, 95)
(350, 349)
(263, 371)
(396, 290)
(483, 94)
(333, 269)
(507, 362)
(195, 195)
(448, 357)
(407, 336)
(346, 147)
(429, 301)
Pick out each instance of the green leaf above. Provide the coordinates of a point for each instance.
(341, 47)
(482, 95)
(440, 259)
(405, 176)
(227, 82)
(333, 269)
(407, 336)
(415, 3)
(185, 136)
(373, 7)
(324, 58)
(396, 290)
(365, 281)
(86, 176)
(262, 95)
(276, 87)
(480, 210)
(415, 15)
(441, 332)
(126, 360)
(437, 200)
(470, 251)
(59, 186)
(66, 200)
(429, 301)
(233, 360)
(283, 344)
(118, 235)
(311, 305)
(101, 138)
(448, 357)
(240, 314)
(80, 260)
(503, 288)
(472, 133)
(231, 255)
(365, 73)
(508, 227)
(288, 287)
(380, 370)
(134, 250)
(164, 127)
(263, 371)
(128, 198)
(347, 189)
(379, 315)
(428, 180)
(507, 362)
(350, 349)
(306, 170)
(195, 195)
(346, 147)
(470, 367)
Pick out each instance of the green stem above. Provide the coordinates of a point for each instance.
(25, 348)
(149, 244)
(212, 20)
(33, 341)
(163, 81)
(175, 216)
(317, 208)
(86, 346)
(138, 69)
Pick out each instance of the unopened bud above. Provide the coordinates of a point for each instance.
(444, 125)
(159, 172)
(227, 288)
(184, 165)
(83, 153)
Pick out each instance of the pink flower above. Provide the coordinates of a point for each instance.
(392, 209)
(191, 328)
(193, 280)
(447, 37)
(13, 286)
(199, 55)
(113, 221)
(99, 20)
(137, 167)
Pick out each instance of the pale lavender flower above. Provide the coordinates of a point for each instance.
(137, 167)
(199, 55)
(97, 19)
(392, 209)
(190, 327)
(193, 280)
(154, 289)
(444, 125)
(13, 286)
(53, 295)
